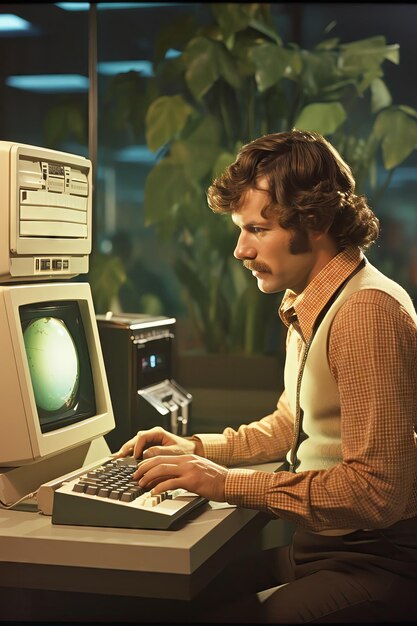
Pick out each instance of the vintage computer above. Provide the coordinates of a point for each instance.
(55, 404)
(45, 207)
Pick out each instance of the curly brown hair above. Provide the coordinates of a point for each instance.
(310, 186)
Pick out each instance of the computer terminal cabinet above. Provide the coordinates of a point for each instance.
(138, 355)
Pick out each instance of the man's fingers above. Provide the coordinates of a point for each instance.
(145, 440)
(166, 485)
(156, 474)
(160, 451)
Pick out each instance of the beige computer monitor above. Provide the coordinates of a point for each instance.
(54, 396)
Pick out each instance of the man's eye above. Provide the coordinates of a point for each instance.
(256, 229)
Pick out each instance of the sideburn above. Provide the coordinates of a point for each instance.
(299, 242)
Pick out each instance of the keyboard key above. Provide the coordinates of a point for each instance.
(128, 496)
(115, 494)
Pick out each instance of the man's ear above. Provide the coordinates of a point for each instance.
(316, 235)
(322, 240)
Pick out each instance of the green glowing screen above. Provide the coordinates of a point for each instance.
(53, 363)
(58, 358)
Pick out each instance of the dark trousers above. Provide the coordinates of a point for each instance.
(365, 576)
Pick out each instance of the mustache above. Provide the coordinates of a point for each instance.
(254, 266)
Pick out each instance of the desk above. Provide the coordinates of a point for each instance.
(165, 565)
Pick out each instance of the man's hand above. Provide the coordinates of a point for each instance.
(186, 471)
(157, 441)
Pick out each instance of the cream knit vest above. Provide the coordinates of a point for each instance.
(319, 396)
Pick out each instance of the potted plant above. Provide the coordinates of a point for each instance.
(233, 80)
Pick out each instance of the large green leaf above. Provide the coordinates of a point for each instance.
(319, 72)
(227, 67)
(398, 134)
(273, 63)
(321, 117)
(197, 158)
(231, 17)
(381, 97)
(206, 61)
(168, 189)
(409, 110)
(366, 80)
(236, 17)
(265, 30)
(365, 55)
(200, 58)
(200, 149)
(165, 119)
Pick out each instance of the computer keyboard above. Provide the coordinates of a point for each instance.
(106, 495)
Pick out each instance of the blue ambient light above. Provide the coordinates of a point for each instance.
(49, 83)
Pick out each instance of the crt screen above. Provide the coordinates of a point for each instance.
(59, 364)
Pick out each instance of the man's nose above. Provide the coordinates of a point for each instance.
(243, 249)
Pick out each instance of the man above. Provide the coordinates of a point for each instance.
(346, 419)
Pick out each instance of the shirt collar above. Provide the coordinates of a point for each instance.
(301, 310)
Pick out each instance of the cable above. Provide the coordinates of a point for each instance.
(26, 497)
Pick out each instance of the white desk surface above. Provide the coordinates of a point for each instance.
(29, 538)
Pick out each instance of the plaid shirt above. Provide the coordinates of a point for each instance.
(376, 483)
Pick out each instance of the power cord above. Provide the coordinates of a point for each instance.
(28, 496)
